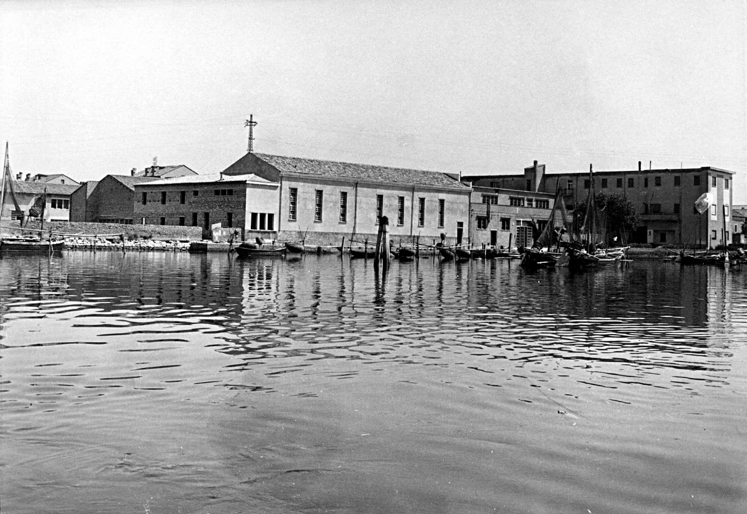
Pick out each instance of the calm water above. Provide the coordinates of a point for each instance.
(177, 383)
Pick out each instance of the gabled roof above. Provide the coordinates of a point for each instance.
(130, 182)
(216, 178)
(37, 188)
(367, 172)
(55, 176)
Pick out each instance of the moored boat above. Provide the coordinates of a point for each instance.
(405, 253)
(30, 246)
(534, 258)
(294, 247)
(366, 252)
(462, 253)
(255, 250)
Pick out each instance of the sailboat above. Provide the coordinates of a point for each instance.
(11, 245)
(539, 256)
(583, 247)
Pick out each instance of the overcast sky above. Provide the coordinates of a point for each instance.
(96, 88)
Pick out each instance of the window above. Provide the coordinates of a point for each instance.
(217, 192)
(677, 181)
(631, 182)
(490, 199)
(713, 234)
(195, 193)
(421, 212)
(515, 201)
(163, 197)
(696, 180)
(530, 202)
(400, 210)
(662, 237)
(182, 197)
(655, 208)
(270, 221)
(542, 204)
(726, 211)
(569, 186)
(379, 208)
(482, 223)
(194, 219)
(505, 223)
(293, 204)
(163, 220)
(645, 182)
(182, 221)
(224, 192)
(65, 204)
(441, 212)
(263, 221)
(254, 225)
(713, 182)
(726, 183)
(657, 181)
(229, 219)
(619, 183)
(587, 183)
(676, 208)
(343, 206)
(604, 183)
(529, 185)
(318, 201)
(145, 198)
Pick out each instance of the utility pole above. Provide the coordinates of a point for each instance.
(251, 124)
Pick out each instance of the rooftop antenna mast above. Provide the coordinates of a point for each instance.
(251, 124)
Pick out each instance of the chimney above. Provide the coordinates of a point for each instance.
(639, 166)
(19, 175)
(132, 172)
(28, 177)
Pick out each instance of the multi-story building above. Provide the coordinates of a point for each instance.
(663, 198)
(507, 217)
(324, 201)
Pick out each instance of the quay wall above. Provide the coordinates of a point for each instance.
(131, 232)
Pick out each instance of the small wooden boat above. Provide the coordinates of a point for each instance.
(255, 250)
(533, 259)
(366, 252)
(293, 247)
(462, 253)
(405, 253)
(30, 246)
(447, 253)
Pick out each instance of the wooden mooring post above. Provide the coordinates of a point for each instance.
(382, 241)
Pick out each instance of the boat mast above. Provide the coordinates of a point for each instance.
(2, 181)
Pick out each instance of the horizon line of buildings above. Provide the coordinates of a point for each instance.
(292, 198)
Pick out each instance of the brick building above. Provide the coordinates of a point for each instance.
(323, 201)
(111, 200)
(246, 202)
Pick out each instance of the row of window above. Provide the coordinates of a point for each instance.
(657, 182)
(183, 195)
(58, 203)
(483, 222)
(343, 208)
(519, 201)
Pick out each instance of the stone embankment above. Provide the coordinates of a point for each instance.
(138, 245)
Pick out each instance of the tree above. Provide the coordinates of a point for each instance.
(617, 214)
